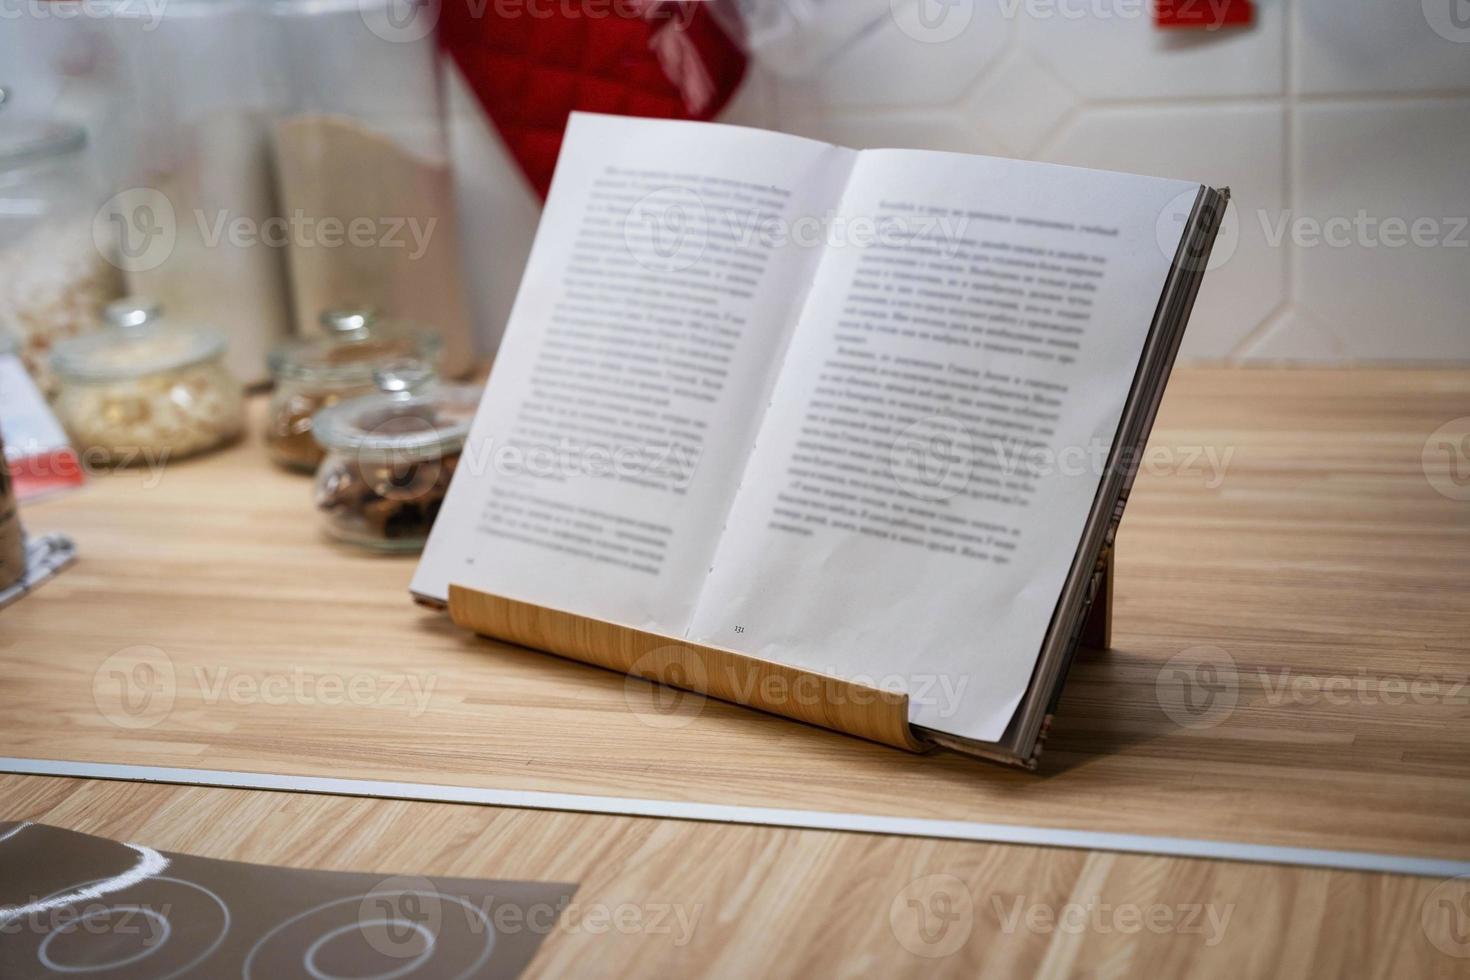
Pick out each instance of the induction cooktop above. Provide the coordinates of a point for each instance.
(77, 906)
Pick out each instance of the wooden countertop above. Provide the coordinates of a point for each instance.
(1292, 535)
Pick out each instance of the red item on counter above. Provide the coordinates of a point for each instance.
(42, 461)
(46, 473)
(532, 63)
(1203, 14)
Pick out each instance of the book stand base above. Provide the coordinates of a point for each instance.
(819, 699)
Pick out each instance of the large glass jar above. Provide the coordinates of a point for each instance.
(390, 458)
(313, 374)
(54, 277)
(146, 391)
(198, 221)
(362, 166)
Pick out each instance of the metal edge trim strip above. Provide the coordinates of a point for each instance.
(860, 823)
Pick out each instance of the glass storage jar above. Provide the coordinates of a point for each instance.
(55, 277)
(202, 81)
(362, 143)
(313, 374)
(144, 390)
(390, 457)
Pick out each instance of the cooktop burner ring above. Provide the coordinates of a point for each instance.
(309, 959)
(43, 953)
(302, 954)
(94, 908)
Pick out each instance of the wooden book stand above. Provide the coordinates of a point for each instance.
(819, 699)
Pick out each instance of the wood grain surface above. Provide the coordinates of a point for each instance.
(1291, 641)
(818, 699)
(664, 898)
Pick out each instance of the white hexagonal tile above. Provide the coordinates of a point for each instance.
(925, 53)
(1372, 178)
(1371, 46)
(1021, 102)
(1109, 49)
(1239, 146)
(913, 130)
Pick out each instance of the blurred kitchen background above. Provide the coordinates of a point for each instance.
(1342, 127)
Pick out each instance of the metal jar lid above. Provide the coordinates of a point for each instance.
(355, 343)
(414, 418)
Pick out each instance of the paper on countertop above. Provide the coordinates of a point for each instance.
(41, 458)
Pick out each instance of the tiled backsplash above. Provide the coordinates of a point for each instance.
(1342, 127)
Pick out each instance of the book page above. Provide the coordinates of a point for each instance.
(939, 430)
(655, 309)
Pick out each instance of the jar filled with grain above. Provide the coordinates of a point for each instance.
(145, 390)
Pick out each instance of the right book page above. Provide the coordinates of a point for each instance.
(937, 434)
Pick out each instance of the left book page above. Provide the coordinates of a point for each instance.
(638, 360)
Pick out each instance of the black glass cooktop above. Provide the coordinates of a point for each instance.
(86, 908)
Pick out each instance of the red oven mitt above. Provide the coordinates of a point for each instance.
(1203, 14)
(531, 63)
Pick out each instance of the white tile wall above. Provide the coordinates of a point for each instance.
(1321, 110)
(1324, 112)
(1376, 164)
(1371, 48)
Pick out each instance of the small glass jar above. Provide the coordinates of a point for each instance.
(313, 374)
(144, 390)
(390, 457)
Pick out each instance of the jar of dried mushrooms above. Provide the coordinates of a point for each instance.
(390, 457)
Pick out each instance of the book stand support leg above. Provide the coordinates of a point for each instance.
(1097, 630)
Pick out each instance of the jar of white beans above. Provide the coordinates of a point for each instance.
(146, 391)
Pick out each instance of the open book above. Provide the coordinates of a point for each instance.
(864, 414)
